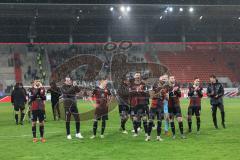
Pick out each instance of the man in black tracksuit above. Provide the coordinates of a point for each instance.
(55, 94)
(18, 99)
(123, 103)
(215, 91)
(69, 91)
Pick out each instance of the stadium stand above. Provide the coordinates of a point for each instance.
(188, 64)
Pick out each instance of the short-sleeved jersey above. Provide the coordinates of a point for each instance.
(37, 98)
(195, 95)
(174, 95)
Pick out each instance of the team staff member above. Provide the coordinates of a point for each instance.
(37, 101)
(55, 94)
(69, 91)
(18, 99)
(215, 91)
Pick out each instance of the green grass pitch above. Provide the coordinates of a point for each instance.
(16, 141)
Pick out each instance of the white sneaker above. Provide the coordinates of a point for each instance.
(133, 131)
(139, 129)
(93, 137)
(102, 136)
(135, 135)
(79, 135)
(69, 137)
(147, 139)
(125, 132)
(159, 139)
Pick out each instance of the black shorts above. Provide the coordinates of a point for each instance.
(175, 111)
(101, 117)
(123, 108)
(158, 112)
(140, 110)
(37, 115)
(18, 107)
(194, 110)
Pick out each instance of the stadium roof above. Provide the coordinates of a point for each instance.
(95, 22)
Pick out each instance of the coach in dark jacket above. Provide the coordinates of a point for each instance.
(55, 94)
(215, 92)
(18, 99)
(69, 91)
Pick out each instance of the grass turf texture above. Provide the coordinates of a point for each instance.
(16, 141)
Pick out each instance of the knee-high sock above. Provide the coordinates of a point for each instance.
(22, 116)
(145, 125)
(41, 129)
(214, 116)
(135, 126)
(77, 126)
(16, 118)
(198, 123)
(223, 116)
(34, 131)
(68, 127)
(189, 124)
(180, 127)
(103, 126)
(123, 122)
(173, 127)
(95, 125)
(150, 125)
(166, 125)
(159, 128)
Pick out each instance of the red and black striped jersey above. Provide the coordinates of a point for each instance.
(195, 94)
(37, 98)
(174, 95)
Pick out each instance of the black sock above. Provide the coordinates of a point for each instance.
(223, 116)
(16, 118)
(214, 119)
(95, 125)
(41, 129)
(198, 123)
(103, 126)
(123, 122)
(145, 126)
(190, 124)
(159, 128)
(68, 127)
(77, 127)
(135, 126)
(150, 126)
(22, 116)
(173, 128)
(180, 127)
(34, 131)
